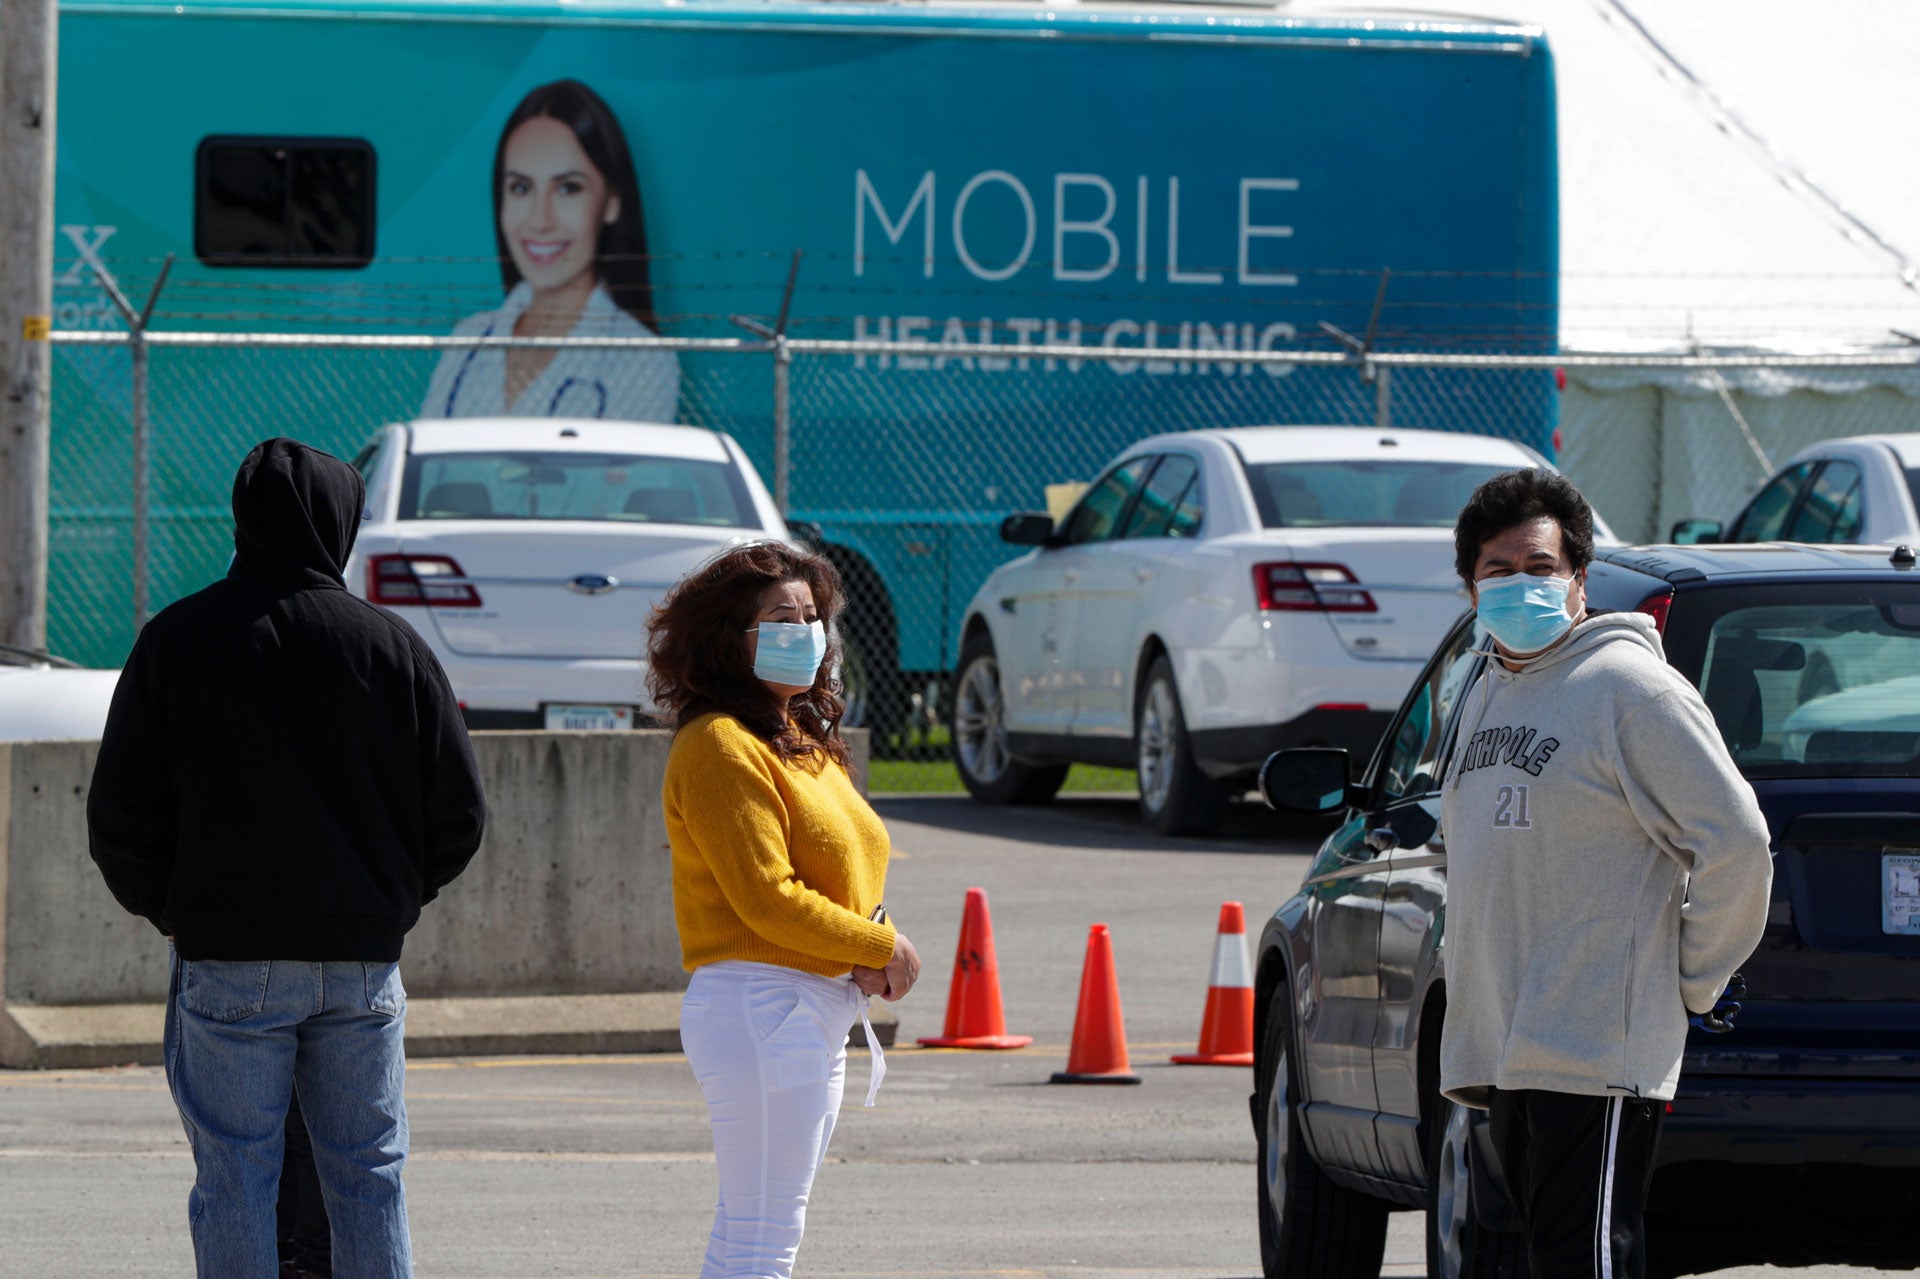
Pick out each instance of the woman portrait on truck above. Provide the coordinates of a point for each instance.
(573, 260)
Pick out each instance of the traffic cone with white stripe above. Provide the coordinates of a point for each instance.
(1226, 1030)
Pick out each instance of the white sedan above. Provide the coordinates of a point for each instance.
(527, 552)
(1861, 488)
(1213, 597)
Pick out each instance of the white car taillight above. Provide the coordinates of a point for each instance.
(1309, 588)
(399, 580)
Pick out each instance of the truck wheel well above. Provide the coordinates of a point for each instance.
(867, 596)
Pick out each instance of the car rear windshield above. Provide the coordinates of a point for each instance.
(1810, 681)
(617, 487)
(1382, 494)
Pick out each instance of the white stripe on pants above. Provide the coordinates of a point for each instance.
(769, 1047)
(1603, 1223)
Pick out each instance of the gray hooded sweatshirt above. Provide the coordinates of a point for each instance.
(1607, 871)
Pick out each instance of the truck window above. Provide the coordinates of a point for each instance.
(283, 202)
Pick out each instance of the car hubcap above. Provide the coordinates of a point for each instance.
(1450, 1201)
(1156, 745)
(1275, 1169)
(979, 732)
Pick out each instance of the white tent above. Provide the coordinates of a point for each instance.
(1734, 175)
(1736, 172)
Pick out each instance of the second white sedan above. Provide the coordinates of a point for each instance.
(1861, 488)
(1213, 597)
(528, 552)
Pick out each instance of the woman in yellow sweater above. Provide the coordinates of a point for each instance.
(778, 871)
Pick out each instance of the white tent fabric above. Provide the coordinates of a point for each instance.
(1734, 175)
(1707, 152)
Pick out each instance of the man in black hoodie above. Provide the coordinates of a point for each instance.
(283, 782)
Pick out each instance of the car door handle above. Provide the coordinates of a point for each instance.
(1071, 576)
(1143, 573)
(1381, 839)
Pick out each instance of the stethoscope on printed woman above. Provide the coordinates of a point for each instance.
(594, 386)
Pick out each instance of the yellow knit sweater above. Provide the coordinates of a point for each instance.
(773, 862)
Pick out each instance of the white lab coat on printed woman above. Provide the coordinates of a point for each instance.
(633, 386)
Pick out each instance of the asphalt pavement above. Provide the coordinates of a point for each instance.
(971, 1165)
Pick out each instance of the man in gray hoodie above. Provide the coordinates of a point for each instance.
(1607, 873)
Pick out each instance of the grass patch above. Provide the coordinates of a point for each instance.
(940, 777)
(921, 764)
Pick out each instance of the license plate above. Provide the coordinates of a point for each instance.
(588, 719)
(1900, 893)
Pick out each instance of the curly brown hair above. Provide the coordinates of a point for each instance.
(697, 650)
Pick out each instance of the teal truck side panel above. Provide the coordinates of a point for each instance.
(1193, 185)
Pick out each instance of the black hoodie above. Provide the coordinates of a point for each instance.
(284, 772)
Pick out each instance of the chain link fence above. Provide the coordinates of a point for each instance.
(906, 456)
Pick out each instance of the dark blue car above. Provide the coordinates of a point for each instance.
(1795, 1138)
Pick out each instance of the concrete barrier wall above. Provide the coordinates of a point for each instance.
(570, 894)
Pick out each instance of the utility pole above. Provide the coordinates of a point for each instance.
(28, 60)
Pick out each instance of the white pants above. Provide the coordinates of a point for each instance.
(769, 1047)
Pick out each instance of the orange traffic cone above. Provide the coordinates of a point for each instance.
(1226, 1029)
(1099, 1051)
(974, 1018)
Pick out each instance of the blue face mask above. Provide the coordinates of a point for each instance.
(1524, 613)
(789, 652)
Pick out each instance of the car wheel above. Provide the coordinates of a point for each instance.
(987, 768)
(1176, 798)
(1310, 1228)
(1458, 1246)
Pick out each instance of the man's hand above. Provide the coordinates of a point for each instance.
(1718, 1020)
(871, 981)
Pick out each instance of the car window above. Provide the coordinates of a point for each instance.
(1169, 503)
(363, 460)
(1368, 493)
(1415, 742)
(1830, 512)
(1105, 504)
(1814, 683)
(1766, 515)
(615, 487)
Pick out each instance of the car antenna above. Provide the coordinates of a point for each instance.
(1902, 556)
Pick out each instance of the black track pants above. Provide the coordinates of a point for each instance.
(1579, 1168)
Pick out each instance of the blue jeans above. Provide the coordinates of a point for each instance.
(239, 1034)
